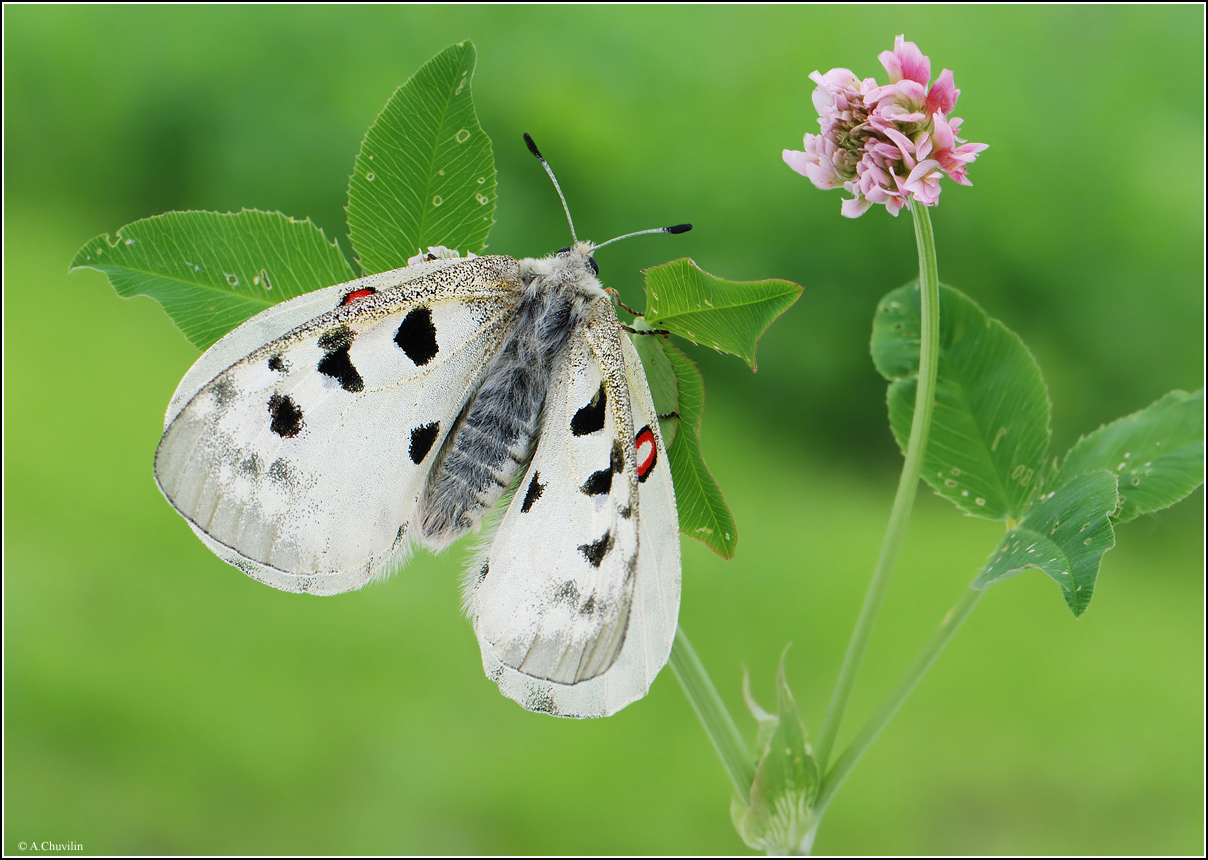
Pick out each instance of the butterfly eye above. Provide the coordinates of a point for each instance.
(593, 265)
(564, 250)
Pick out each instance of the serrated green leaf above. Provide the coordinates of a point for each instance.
(1157, 454)
(212, 271)
(1065, 534)
(425, 174)
(779, 816)
(990, 424)
(702, 510)
(730, 316)
(660, 376)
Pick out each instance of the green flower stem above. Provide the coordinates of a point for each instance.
(878, 721)
(895, 532)
(719, 725)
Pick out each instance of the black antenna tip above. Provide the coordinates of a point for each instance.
(678, 228)
(528, 140)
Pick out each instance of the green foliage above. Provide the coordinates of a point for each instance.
(779, 817)
(990, 424)
(212, 271)
(989, 441)
(730, 316)
(678, 392)
(703, 513)
(1157, 453)
(1065, 534)
(425, 174)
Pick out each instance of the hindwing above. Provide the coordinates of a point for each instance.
(576, 598)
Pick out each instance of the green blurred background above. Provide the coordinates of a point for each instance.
(158, 701)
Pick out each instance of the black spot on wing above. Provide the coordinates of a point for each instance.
(422, 439)
(599, 483)
(278, 363)
(286, 419)
(483, 571)
(336, 339)
(590, 418)
(338, 365)
(533, 493)
(336, 361)
(595, 551)
(416, 336)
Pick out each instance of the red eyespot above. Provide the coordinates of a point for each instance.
(647, 451)
(356, 294)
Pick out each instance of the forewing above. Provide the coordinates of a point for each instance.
(559, 634)
(276, 322)
(301, 461)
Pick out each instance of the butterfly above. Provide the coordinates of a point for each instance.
(313, 446)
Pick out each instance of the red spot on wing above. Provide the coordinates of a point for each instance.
(356, 294)
(647, 451)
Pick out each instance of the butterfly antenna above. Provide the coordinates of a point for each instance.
(678, 228)
(535, 151)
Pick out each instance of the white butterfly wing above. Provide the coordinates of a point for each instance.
(279, 320)
(576, 601)
(300, 462)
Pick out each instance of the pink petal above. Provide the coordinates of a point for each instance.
(855, 208)
(943, 94)
(922, 145)
(942, 135)
(906, 61)
(799, 161)
(830, 94)
(924, 182)
(904, 143)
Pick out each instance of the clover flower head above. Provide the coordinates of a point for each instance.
(886, 144)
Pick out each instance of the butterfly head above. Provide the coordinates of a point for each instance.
(580, 254)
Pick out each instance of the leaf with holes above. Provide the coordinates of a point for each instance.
(425, 174)
(990, 423)
(1065, 534)
(1157, 453)
(730, 316)
(212, 271)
